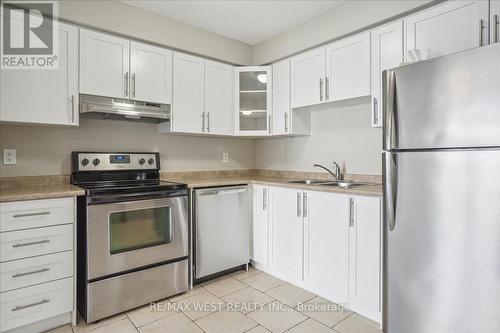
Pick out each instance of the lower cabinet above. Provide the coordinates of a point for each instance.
(327, 243)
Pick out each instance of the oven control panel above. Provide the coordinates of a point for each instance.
(115, 161)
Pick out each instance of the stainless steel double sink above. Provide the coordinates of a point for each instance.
(321, 182)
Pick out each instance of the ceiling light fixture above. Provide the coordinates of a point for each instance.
(262, 78)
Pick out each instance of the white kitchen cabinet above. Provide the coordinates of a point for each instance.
(348, 68)
(365, 256)
(326, 244)
(104, 64)
(44, 96)
(386, 53)
(260, 224)
(447, 28)
(286, 121)
(218, 98)
(253, 105)
(494, 21)
(308, 78)
(188, 109)
(286, 232)
(150, 73)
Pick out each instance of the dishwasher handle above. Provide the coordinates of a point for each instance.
(221, 191)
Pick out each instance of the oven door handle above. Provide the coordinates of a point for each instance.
(109, 198)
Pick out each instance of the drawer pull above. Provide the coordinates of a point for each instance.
(31, 214)
(31, 243)
(22, 307)
(29, 273)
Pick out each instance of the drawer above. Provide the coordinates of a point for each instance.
(31, 304)
(27, 272)
(36, 213)
(35, 242)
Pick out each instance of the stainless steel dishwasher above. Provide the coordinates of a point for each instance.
(221, 229)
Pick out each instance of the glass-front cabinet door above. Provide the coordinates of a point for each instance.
(253, 100)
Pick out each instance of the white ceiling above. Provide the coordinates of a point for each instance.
(247, 21)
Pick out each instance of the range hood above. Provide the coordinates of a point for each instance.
(122, 109)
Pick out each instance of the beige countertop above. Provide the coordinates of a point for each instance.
(373, 189)
(32, 188)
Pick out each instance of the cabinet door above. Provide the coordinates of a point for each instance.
(260, 224)
(365, 254)
(188, 114)
(104, 65)
(150, 73)
(44, 96)
(387, 52)
(308, 78)
(447, 28)
(326, 243)
(218, 98)
(494, 21)
(286, 232)
(281, 98)
(348, 68)
(253, 100)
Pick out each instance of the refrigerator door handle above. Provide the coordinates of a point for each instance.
(390, 105)
(390, 188)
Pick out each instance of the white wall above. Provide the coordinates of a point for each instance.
(339, 132)
(47, 150)
(347, 18)
(123, 19)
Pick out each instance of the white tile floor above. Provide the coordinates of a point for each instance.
(252, 302)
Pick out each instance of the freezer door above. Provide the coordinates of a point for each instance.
(442, 253)
(222, 229)
(451, 101)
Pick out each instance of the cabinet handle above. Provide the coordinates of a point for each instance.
(31, 243)
(30, 273)
(126, 84)
(286, 122)
(30, 214)
(495, 28)
(72, 109)
(375, 111)
(321, 89)
(269, 123)
(481, 28)
(208, 121)
(203, 122)
(327, 85)
(351, 212)
(21, 307)
(133, 85)
(299, 204)
(305, 205)
(264, 198)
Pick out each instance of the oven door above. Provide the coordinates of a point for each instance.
(123, 236)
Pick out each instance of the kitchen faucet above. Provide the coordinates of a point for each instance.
(337, 175)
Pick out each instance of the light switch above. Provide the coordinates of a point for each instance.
(225, 157)
(9, 156)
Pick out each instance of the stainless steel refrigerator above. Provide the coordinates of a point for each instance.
(442, 194)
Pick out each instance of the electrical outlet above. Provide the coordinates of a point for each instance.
(9, 156)
(225, 157)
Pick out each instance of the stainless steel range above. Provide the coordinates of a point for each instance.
(132, 233)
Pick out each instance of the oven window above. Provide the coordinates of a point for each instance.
(138, 229)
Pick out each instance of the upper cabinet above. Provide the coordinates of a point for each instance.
(449, 27)
(253, 100)
(219, 103)
(348, 68)
(188, 111)
(44, 96)
(115, 67)
(150, 73)
(495, 21)
(104, 64)
(308, 78)
(387, 52)
(338, 71)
